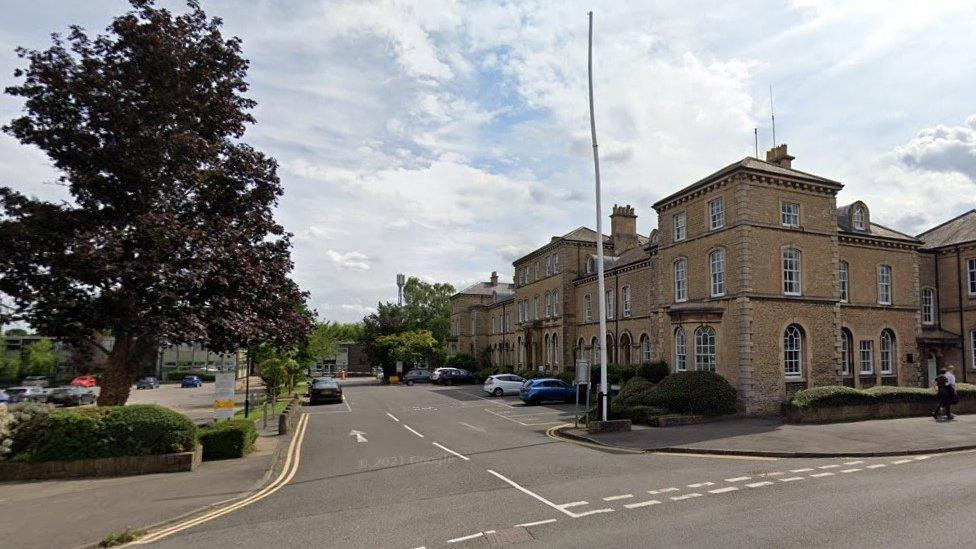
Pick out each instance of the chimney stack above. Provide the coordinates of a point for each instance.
(779, 156)
(494, 278)
(623, 228)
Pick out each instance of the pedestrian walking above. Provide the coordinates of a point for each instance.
(946, 394)
(951, 375)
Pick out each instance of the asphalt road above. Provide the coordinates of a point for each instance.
(450, 467)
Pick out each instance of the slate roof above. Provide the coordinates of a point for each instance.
(874, 229)
(487, 288)
(584, 234)
(957, 230)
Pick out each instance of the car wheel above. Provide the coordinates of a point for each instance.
(409, 382)
(450, 382)
(497, 392)
(535, 401)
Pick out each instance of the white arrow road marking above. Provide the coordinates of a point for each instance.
(359, 435)
(472, 427)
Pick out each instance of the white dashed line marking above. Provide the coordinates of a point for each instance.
(393, 417)
(828, 467)
(790, 479)
(662, 491)
(723, 490)
(536, 523)
(900, 461)
(758, 484)
(412, 431)
(686, 496)
(615, 498)
(701, 484)
(642, 504)
(877, 466)
(805, 470)
(775, 474)
(737, 479)
(819, 475)
(472, 536)
(448, 450)
(854, 470)
(858, 462)
(919, 458)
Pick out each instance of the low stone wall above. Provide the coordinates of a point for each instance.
(287, 419)
(838, 414)
(102, 467)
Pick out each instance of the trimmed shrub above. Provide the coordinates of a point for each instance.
(62, 435)
(653, 371)
(830, 396)
(148, 429)
(620, 373)
(705, 393)
(568, 377)
(228, 439)
(636, 392)
(639, 414)
(886, 394)
(531, 374)
(463, 361)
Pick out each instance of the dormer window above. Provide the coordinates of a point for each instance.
(590, 265)
(857, 219)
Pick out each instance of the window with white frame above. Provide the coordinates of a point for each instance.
(494, 324)
(793, 351)
(679, 226)
(887, 351)
(705, 349)
(555, 263)
(792, 281)
(842, 278)
(594, 352)
(846, 354)
(716, 261)
(548, 265)
(625, 298)
(535, 307)
(971, 264)
(548, 305)
(555, 349)
(858, 218)
(587, 308)
(555, 304)
(681, 280)
(884, 285)
(610, 303)
(928, 306)
(474, 324)
(680, 350)
(716, 214)
(972, 349)
(789, 213)
(590, 265)
(866, 356)
(645, 348)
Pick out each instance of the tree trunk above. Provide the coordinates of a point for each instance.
(124, 363)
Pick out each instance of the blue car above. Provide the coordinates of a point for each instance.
(191, 381)
(537, 391)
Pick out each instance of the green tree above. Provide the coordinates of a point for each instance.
(16, 332)
(410, 347)
(169, 236)
(323, 341)
(428, 307)
(274, 373)
(389, 319)
(39, 358)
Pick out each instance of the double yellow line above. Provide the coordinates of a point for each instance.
(287, 473)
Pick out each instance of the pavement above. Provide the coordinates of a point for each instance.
(194, 402)
(409, 467)
(772, 437)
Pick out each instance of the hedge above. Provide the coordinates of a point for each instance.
(705, 393)
(176, 375)
(228, 439)
(636, 392)
(114, 431)
(837, 395)
(653, 371)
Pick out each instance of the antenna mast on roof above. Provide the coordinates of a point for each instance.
(755, 134)
(772, 114)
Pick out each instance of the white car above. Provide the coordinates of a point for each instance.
(503, 384)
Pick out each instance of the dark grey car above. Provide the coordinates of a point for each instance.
(416, 376)
(324, 389)
(70, 396)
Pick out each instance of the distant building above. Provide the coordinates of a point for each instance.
(351, 357)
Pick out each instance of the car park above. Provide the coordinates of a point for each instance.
(190, 382)
(84, 381)
(456, 376)
(147, 382)
(537, 391)
(36, 381)
(436, 376)
(324, 389)
(70, 396)
(29, 393)
(503, 384)
(418, 375)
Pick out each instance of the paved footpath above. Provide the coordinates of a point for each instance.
(408, 467)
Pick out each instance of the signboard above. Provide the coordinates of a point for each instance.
(582, 371)
(399, 366)
(223, 404)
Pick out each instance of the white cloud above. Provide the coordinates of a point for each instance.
(943, 149)
(349, 260)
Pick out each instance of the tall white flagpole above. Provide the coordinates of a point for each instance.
(602, 395)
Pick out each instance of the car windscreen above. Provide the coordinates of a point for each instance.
(17, 390)
(323, 385)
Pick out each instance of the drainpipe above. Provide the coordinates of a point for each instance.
(962, 328)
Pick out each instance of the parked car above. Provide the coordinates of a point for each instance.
(4, 397)
(503, 384)
(26, 394)
(84, 381)
(537, 391)
(191, 381)
(456, 376)
(36, 381)
(71, 396)
(418, 375)
(324, 389)
(436, 376)
(148, 382)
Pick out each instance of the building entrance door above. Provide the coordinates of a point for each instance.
(933, 369)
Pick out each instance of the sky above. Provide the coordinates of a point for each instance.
(444, 139)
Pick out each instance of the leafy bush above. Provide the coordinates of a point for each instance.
(639, 414)
(828, 396)
(886, 394)
(463, 361)
(653, 371)
(176, 375)
(704, 393)
(620, 373)
(228, 439)
(636, 392)
(568, 377)
(18, 422)
(103, 432)
(531, 374)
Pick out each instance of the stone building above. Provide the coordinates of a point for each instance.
(756, 273)
(469, 316)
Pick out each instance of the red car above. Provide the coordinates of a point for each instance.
(84, 381)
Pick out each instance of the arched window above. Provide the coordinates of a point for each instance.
(716, 261)
(581, 348)
(793, 351)
(842, 279)
(705, 349)
(521, 352)
(792, 282)
(680, 350)
(681, 280)
(887, 351)
(594, 352)
(555, 302)
(858, 218)
(555, 350)
(645, 348)
(610, 350)
(884, 285)
(548, 350)
(846, 351)
(625, 348)
(590, 265)
(587, 308)
(928, 306)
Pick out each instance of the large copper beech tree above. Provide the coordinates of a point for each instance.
(169, 236)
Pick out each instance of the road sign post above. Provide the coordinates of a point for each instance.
(223, 404)
(582, 378)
